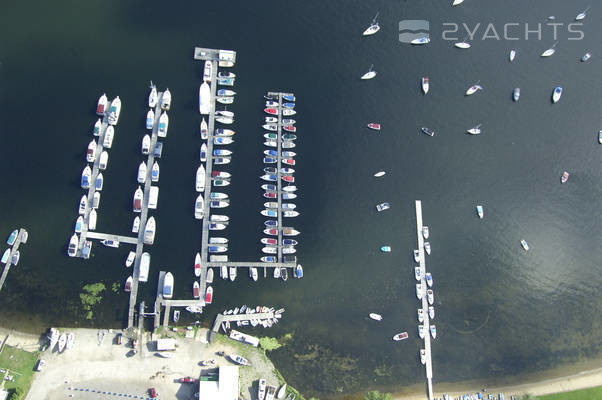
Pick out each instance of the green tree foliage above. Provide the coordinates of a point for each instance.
(376, 395)
(17, 394)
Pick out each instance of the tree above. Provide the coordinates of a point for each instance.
(17, 394)
(376, 395)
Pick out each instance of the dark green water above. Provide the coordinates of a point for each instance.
(500, 311)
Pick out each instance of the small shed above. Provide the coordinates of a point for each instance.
(166, 344)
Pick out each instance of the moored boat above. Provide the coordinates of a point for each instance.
(400, 336)
(204, 152)
(138, 197)
(196, 290)
(428, 131)
(152, 96)
(207, 71)
(91, 153)
(150, 119)
(516, 94)
(168, 283)
(83, 203)
(418, 273)
(421, 40)
(155, 172)
(209, 295)
(97, 126)
(78, 224)
(141, 178)
(114, 111)
(480, 211)
(376, 317)
(430, 296)
(102, 104)
(383, 206)
(586, 57)
(512, 55)
(421, 332)
(86, 174)
(128, 284)
(197, 265)
(62, 342)
(104, 160)
(144, 267)
(108, 138)
(427, 248)
(473, 89)
(99, 181)
(130, 258)
(166, 100)
(149, 231)
(475, 130)
(429, 279)
(146, 142)
(163, 125)
(199, 207)
(371, 30)
(433, 330)
(12, 238)
(203, 129)
(96, 200)
(425, 84)
(431, 312)
(92, 217)
(200, 178)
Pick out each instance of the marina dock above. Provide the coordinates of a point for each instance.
(144, 213)
(220, 318)
(9, 262)
(425, 305)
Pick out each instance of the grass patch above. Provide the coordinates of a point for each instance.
(583, 394)
(269, 343)
(20, 364)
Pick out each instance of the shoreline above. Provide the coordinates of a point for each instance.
(561, 379)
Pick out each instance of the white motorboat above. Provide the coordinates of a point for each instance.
(204, 152)
(72, 248)
(92, 218)
(226, 92)
(136, 225)
(419, 291)
(261, 389)
(417, 255)
(150, 119)
(430, 296)
(204, 99)
(110, 243)
(425, 232)
(222, 140)
(376, 317)
(91, 153)
(99, 181)
(429, 279)
(422, 354)
(224, 120)
(204, 129)
(142, 172)
(475, 130)
(549, 52)
(421, 40)
(420, 315)
(114, 111)
(253, 274)
(463, 44)
(155, 172)
(168, 283)
(238, 359)
(370, 74)
(199, 206)
(97, 127)
(426, 84)
(207, 71)
(130, 258)
(421, 332)
(146, 142)
(512, 55)
(556, 94)
(200, 178)
(163, 125)
(281, 392)
(457, 2)
(86, 174)
(418, 273)
(96, 200)
(431, 312)
(516, 94)
(373, 28)
(166, 100)
(586, 57)
(232, 273)
(427, 248)
(433, 330)
(473, 89)
(152, 97)
(83, 203)
(379, 174)
(108, 138)
(62, 342)
(104, 160)
(144, 267)
(149, 231)
(102, 104)
(78, 225)
(525, 245)
(225, 99)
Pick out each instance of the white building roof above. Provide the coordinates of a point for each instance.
(224, 388)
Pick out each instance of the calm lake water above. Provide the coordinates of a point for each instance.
(500, 311)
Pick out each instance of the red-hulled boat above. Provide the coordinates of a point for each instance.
(288, 161)
(272, 232)
(289, 128)
(272, 241)
(272, 111)
(374, 125)
(209, 295)
(102, 105)
(269, 195)
(195, 290)
(288, 178)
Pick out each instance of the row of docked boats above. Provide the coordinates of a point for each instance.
(424, 291)
(269, 392)
(278, 174)
(9, 254)
(253, 319)
(63, 341)
(92, 179)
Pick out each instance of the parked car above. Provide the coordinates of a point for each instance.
(187, 380)
(153, 393)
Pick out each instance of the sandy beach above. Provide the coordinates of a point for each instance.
(105, 366)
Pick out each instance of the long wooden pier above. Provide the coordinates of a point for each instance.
(425, 305)
(144, 212)
(9, 262)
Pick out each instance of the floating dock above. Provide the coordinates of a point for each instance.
(144, 213)
(236, 318)
(9, 262)
(425, 305)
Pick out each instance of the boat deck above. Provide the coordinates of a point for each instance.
(425, 305)
(9, 263)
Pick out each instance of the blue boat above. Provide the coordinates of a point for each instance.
(269, 160)
(269, 259)
(273, 153)
(85, 182)
(99, 182)
(289, 97)
(221, 152)
(270, 213)
(289, 242)
(288, 105)
(13, 237)
(271, 222)
(222, 140)
(269, 187)
(299, 271)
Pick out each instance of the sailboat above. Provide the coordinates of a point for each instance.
(152, 97)
(475, 130)
(457, 2)
(421, 40)
(370, 74)
(549, 51)
(582, 14)
(373, 28)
